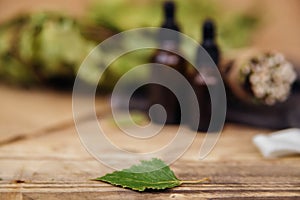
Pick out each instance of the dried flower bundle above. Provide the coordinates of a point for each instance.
(264, 78)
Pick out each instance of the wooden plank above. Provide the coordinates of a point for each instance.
(56, 166)
(224, 185)
(29, 110)
(204, 191)
(232, 180)
(53, 164)
(27, 113)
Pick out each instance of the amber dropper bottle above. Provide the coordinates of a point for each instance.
(168, 42)
(201, 82)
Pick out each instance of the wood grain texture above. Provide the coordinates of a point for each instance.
(28, 113)
(55, 165)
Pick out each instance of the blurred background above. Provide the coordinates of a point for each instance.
(42, 43)
(262, 24)
(278, 28)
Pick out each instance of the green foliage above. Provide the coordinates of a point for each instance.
(41, 47)
(234, 30)
(153, 174)
(38, 47)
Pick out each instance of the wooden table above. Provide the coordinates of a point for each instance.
(41, 157)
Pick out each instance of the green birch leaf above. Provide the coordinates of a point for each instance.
(153, 174)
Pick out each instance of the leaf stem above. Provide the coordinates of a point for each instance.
(196, 181)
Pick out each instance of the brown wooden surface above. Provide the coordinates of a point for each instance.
(41, 157)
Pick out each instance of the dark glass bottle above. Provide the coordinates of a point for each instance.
(200, 83)
(209, 43)
(158, 93)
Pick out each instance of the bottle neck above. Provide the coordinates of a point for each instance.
(169, 44)
(209, 43)
(208, 32)
(169, 16)
(167, 37)
(170, 23)
(208, 38)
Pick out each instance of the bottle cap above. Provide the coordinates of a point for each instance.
(208, 29)
(169, 9)
(169, 23)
